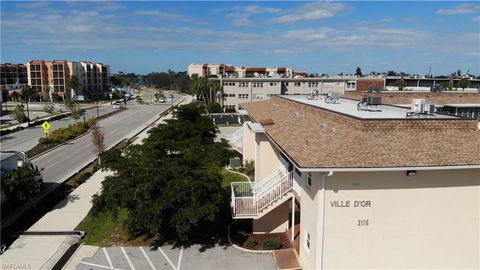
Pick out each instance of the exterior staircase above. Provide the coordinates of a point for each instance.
(253, 200)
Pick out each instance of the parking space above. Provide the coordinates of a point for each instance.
(175, 258)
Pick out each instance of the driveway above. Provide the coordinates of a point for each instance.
(166, 257)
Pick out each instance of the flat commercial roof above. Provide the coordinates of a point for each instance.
(349, 107)
(464, 105)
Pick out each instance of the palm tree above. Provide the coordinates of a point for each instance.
(27, 93)
(214, 88)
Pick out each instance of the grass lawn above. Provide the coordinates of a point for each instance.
(229, 177)
(100, 228)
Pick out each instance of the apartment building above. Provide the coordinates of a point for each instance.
(229, 71)
(363, 187)
(240, 90)
(13, 75)
(51, 78)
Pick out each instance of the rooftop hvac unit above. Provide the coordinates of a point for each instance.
(418, 105)
(374, 101)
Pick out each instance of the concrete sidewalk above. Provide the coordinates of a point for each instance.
(44, 251)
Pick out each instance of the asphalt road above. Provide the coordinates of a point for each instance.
(61, 163)
(26, 139)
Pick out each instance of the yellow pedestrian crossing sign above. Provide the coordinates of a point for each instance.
(46, 126)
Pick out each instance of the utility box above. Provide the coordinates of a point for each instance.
(234, 162)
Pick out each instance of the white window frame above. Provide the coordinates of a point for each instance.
(309, 180)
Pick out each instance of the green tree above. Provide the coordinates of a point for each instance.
(27, 93)
(447, 85)
(170, 184)
(22, 183)
(358, 72)
(214, 107)
(49, 108)
(74, 108)
(19, 114)
(464, 83)
(97, 139)
(400, 84)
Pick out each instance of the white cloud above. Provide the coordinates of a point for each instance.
(476, 19)
(312, 12)
(33, 5)
(467, 8)
(158, 14)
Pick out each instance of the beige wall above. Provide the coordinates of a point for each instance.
(269, 158)
(275, 221)
(430, 220)
(248, 143)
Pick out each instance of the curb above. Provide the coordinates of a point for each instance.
(101, 117)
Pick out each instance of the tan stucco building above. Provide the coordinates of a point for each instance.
(371, 188)
(51, 77)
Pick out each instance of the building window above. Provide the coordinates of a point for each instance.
(273, 84)
(243, 96)
(328, 84)
(257, 84)
(229, 84)
(351, 85)
(309, 179)
(296, 84)
(313, 84)
(243, 84)
(286, 83)
(258, 96)
(307, 241)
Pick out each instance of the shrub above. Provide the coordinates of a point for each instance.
(250, 243)
(271, 244)
(83, 178)
(19, 114)
(230, 110)
(214, 107)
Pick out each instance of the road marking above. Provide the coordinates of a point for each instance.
(148, 259)
(168, 259)
(180, 259)
(128, 259)
(108, 257)
(100, 266)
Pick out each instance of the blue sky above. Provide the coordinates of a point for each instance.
(319, 37)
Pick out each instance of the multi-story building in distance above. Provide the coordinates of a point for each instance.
(50, 78)
(240, 90)
(13, 76)
(229, 71)
(381, 185)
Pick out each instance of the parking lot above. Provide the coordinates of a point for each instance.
(165, 257)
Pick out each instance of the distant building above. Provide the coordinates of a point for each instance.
(13, 76)
(241, 90)
(229, 71)
(51, 77)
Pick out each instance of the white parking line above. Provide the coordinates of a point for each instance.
(166, 257)
(100, 266)
(180, 259)
(128, 259)
(108, 257)
(148, 259)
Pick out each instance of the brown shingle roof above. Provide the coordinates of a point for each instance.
(347, 142)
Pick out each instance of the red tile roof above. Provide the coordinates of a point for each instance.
(255, 69)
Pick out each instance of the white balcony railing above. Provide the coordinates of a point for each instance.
(251, 199)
